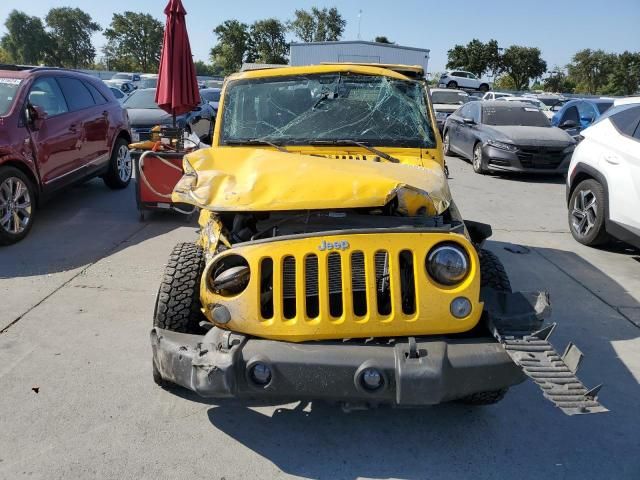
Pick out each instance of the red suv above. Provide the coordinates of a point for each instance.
(57, 127)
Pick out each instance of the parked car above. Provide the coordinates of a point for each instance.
(148, 80)
(625, 101)
(507, 136)
(576, 115)
(123, 77)
(119, 94)
(124, 87)
(144, 114)
(530, 101)
(212, 96)
(59, 127)
(462, 79)
(496, 95)
(603, 184)
(446, 101)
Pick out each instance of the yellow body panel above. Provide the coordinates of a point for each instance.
(254, 179)
(432, 313)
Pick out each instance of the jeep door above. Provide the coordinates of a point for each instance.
(57, 143)
(93, 118)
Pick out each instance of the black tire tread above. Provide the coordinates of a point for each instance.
(178, 301)
(492, 272)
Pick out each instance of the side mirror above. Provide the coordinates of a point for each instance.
(567, 124)
(469, 121)
(35, 116)
(587, 119)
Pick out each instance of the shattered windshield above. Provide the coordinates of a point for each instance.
(374, 110)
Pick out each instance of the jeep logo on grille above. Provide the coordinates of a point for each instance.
(339, 245)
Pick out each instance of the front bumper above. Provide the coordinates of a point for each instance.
(420, 371)
(504, 161)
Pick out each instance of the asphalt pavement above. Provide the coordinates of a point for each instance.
(77, 399)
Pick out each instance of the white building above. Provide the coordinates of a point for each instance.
(357, 52)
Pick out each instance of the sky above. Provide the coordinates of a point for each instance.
(558, 27)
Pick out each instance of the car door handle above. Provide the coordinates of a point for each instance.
(612, 159)
(73, 127)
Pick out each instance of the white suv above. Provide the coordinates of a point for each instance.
(462, 79)
(603, 183)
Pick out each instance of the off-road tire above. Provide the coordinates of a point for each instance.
(485, 398)
(452, 84)
(116, 178)
(178, 301)
(598, 234)
(492, 274)
(7, 237)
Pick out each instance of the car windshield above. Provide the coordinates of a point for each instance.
(8, 90)
(514, 115)
(449, 98)
(530, 101)
(211, 96)
(375, 110)
(122, 76)
(603, 106)
(141, 99)
(149, 83)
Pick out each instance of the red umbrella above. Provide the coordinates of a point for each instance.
(177, 90)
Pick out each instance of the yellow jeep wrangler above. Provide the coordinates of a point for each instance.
(332, 263)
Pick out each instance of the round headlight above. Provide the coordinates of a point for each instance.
(229, 275)
(447, 264)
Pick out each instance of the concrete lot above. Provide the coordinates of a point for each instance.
(77, 399)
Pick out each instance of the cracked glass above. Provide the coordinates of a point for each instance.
(375, 110)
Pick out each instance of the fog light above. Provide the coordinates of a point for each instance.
(220, 314)
(371, 379)
(260, 374)
(460, 307)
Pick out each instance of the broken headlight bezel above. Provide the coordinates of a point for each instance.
(229, 275)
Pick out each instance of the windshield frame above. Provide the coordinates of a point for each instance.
(429, 142)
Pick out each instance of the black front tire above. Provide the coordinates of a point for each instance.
(10, 177)
(446, 144)
(178, 301)
(493, 275)
(484, 88)
(452, 84)
(587, 207)
(120, 166)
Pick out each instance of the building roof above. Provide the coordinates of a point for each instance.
(361, 42)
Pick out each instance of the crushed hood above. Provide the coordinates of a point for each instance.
(226, 179)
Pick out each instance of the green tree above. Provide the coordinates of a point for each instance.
(26, 40)
(504, 82)
(382, 39)
(233, 42)
(522, 64)
(207, 69)
(475, 57)
(4, 56)
(70, 30)
(590, 70)
(134, 40)
(624, 78)
(318, 25)
(558, 82)
(267, 42)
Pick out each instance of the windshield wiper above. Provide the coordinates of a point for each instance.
(257, 141)
(379, 153)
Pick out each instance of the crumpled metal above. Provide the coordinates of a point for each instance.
(239, 179)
